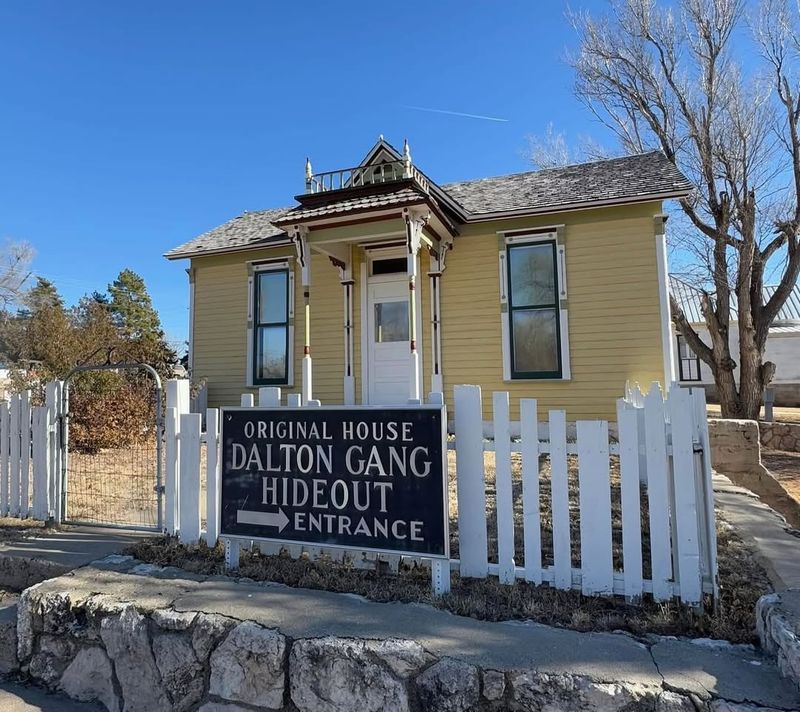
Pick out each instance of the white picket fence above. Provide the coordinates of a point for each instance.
(30, 456)
(663, 453)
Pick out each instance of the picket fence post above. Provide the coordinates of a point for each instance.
(14, 454)
(189, 483)
(594, 493)
(53, 402)
(658, 494)
(177, 405)
(25, 453)
(212, 476)
(41, 460)
(559, 495)
(440, 568)
(470, 483)
(531, 513)
(5, 442)
(628, 436)
(504, 501)
(705, 489)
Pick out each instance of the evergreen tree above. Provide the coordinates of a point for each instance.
(132, 308)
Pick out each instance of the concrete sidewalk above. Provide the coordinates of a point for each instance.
(15, 697)
(777, 549)
(709, 670)
(28, 561)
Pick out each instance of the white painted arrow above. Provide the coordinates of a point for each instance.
(269, 519)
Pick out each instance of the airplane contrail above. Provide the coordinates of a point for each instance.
(454, 113)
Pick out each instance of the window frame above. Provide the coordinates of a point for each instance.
(555, 306)
(256, 269)
(679, 338)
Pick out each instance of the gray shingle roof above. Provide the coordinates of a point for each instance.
(616, 180)
(688, 297)
(379, 200)
(613, 180)
(246, 230)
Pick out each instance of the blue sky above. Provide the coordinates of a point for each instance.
(128, 128)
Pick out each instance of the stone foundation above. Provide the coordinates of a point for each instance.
(780, 436)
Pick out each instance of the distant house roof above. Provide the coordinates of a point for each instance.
(688, 297)
(615, 181)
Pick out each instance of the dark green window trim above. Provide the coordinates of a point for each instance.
(257, 326)
(555, 305)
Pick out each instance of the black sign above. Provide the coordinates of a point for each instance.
(362, 478)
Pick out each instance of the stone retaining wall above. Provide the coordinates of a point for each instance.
(778, 626)
(136, 659)
(780, 436)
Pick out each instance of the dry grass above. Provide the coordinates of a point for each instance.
(780, 413)
(742, 580)
(12, 529)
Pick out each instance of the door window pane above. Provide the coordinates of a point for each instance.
(272, 297)
(532, 269)
(535, 339)
(391, 322)
(271, 352)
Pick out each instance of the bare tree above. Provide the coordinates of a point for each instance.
(668, 79)
(15, 262)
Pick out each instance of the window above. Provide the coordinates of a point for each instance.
(688, 362)
(270, 342)
(533, 310)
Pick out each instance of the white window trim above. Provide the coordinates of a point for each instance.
(254, 268)
(563, 315)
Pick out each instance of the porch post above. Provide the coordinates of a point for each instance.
(300, 239)
(414, 223)
(435, 274)
(346, 280)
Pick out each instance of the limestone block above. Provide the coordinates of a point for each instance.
(8, 641)
(341, 675)
(725, 706)
(127, 642)
(778, 628)
(209, 629)
(169, 619)
(494, 685)
(89, 677)
(248, 666)
(181, 673)
(449, 686)
(673, 702)
(404, 657)
(223, 707)
(735, 445)
(534, 691)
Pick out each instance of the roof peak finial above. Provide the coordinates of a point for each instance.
(380, 137)
(309, 175)
(406, 159)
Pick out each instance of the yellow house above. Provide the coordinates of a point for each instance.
(380, 286)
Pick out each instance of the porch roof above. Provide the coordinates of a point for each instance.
(351, 204)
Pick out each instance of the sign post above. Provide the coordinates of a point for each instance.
(366, 479)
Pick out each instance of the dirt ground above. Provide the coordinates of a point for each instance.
(780, 414)
(786, 468)
(12, 529)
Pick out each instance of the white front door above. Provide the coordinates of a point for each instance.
(389, 362)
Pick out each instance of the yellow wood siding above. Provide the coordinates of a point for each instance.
(613, 311)
(613, 306)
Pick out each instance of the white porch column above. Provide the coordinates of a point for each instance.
(415, 221)
(300, 239)
(347, 282)
(435, 275)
